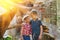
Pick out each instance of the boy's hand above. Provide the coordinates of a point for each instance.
(30, 37)
(40, 37)
(21, 37)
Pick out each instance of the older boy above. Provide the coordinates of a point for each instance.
(36, 26)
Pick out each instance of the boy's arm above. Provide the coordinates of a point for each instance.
(41, 28)
(41, 31)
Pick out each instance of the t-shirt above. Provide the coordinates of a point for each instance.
(26, 29)
(36, 26)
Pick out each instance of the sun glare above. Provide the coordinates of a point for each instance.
(6, 5)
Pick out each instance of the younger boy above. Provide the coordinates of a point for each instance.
(36, 26)
(26, 28)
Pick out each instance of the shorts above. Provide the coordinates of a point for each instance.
(26, 37)
(35, 36)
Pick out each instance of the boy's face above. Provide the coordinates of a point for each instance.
(27, 19)
(34, 16)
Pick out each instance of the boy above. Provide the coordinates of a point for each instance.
(26, 28)
(36, 26)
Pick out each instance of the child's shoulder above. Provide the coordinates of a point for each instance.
(39, 19)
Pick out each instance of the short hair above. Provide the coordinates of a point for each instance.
(34, 12)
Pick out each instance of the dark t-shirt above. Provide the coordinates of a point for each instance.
(36, 26)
